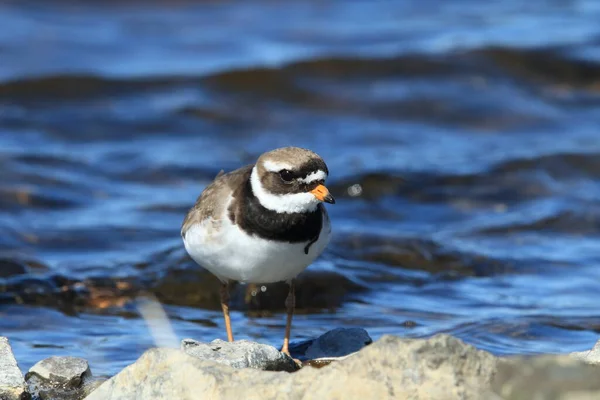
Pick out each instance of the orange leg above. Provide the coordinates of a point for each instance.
(290, 304)
(225, 307)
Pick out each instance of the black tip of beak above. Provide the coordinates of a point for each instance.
(329, 199)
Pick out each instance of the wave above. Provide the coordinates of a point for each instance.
(545, 65)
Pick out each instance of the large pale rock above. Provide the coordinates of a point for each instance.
(590, 356)
(240, 354)
(12, 384)
(391, 368)
(546, 377)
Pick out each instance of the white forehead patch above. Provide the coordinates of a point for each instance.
(274, 166)
(282, 203)
(314, 176)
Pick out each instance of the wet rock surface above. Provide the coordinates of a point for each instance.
(315, 291)
(334, 344)
(57, 378)
(440, 367)
(12, 384)
(240, 354)
(183, 285)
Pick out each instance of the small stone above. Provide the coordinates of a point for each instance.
(590, 356)
(240, 354)
(338, 342)
(12, 384)
(333, 345)
(65, 372)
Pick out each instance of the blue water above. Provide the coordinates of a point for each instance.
(471, 128)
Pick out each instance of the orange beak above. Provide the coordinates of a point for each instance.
(322, 194)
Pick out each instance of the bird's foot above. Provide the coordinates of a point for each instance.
(287, 352)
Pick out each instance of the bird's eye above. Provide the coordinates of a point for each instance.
(286, 175)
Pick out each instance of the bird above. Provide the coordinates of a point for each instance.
(262, 223)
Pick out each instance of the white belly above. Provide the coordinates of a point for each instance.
(230, 253)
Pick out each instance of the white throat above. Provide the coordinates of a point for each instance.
(282, 203)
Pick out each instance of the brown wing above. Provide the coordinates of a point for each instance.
(212, 200)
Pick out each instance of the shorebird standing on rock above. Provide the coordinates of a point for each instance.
(262, 223)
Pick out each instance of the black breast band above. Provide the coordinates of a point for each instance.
(255, 219)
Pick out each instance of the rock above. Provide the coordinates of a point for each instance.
(334, 344)
(391, 368)
(546, 377)
(10, 268)
(42, 391)
(12, 384)
(240, 354)
(590, 356)
(60, 378)
(67, 372)
(89, 385)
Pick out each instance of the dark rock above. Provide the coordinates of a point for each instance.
(12, 384)
(240, 354)
(194, 287)
(336, 343)
(60, 378)
(315, 291)
(10, 268)
(66, 294)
